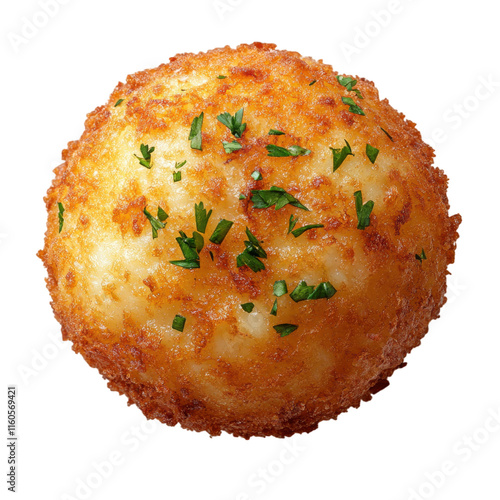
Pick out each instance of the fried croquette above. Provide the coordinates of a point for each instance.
(246, 241)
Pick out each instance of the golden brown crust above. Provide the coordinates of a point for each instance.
(115, 293)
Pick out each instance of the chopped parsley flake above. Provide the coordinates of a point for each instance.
(256, 175)
(246, 259)
(274, 310)
(303, 229)
(186, 264)
(250, 256)
(231, 147)
(221, 77)
(180, 164)
(303, 291)
(278, 151)
(241, 197)
(340, 154)
(421, 257)
(162, 215)
(275, 132)
(285, 329)
(275, 196)
(291, 223)
(387, 134)
(312, 83)
(349, 83)
(201, 216)
(177, 176)
(156, 224)
(363, 211)
(195, 133)
(117, 103)
(221, 231)
(372, 153)
(280, 288)
(353, 107)
(60, 214)
(178, 323)
(199, 242)
(190, 248)
(248, 307)
(146, 152)
(234, 123)
(253, 246)
(324, 290)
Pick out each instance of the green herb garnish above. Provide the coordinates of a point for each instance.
(221, 231)
(421, 257)
(253, 246)
(186, 264)
(340, 154)
(275, 196)
(162, 215)
(195, 134)
(312, 83)
(353, 107)
(117, 103)
(285, 329)
(363, 211)
(274, 310)
(190, 248)
(250, 256)
(280, 288)
(146, 151)
(156, 224)
(234, 123)
(278, 151)
(349, 83)
(246, 259)
(248, 307)
(60, 214)
(195, 245)
(178, 323)
(221, 77)
(372, 153)
(301, 292)
(201, 216)
(256, 175)
(199, 241)
(177, 176)
(387, 134)
(275, 132)
(291, 223)
(180, 164)
(305, 292)
(242, 197)
(303, 229)
(231, 147)
(324, 290)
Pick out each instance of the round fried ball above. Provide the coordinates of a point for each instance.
(202, 336)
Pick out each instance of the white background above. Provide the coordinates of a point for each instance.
(431, 59)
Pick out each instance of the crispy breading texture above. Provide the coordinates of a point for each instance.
(115, 292)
